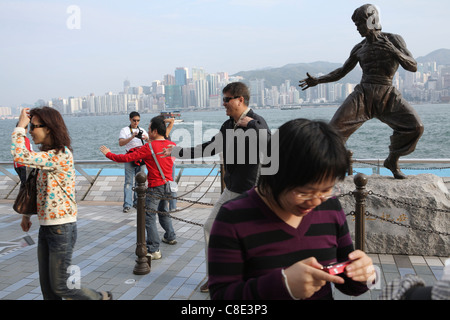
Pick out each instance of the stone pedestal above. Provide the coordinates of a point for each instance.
(411, 222)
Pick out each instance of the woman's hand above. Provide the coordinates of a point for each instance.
(25, 223)
(24, 118)
(306, 278)
(361, 269)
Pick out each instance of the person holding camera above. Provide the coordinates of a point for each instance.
(131, 138)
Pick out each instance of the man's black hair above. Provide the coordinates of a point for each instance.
(158, 124)
(134, 114)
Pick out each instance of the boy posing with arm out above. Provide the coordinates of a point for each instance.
(157, 186)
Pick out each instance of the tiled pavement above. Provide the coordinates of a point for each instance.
(105, 254)
(105, 250)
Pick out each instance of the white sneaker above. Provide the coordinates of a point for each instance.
(171, 242)
(155, 255)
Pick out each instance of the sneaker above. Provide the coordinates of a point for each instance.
(126, 210)
(106, 295)
(172, 242)
(204, 288)
(154, 255)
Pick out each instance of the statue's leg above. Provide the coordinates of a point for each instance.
(408, 129)
(391, 163)
(350, 115)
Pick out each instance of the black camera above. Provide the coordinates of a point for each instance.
(139, 134)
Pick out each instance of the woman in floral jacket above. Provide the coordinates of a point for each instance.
(56, 206)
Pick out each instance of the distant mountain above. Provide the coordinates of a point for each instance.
(297, 71)
(441, 56)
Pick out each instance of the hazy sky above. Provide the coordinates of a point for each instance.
(49, 50)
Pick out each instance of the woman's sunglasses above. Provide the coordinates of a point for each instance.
(33, 126)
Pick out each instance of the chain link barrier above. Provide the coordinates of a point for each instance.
(406, 168)
(350, 193)
(368, 214)
(192, 202)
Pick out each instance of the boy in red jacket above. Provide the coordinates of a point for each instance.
(157, 186)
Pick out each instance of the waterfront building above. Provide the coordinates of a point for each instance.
(181, 76)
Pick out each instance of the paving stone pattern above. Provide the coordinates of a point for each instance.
(105, 249)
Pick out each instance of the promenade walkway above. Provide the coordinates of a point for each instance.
(105, 249)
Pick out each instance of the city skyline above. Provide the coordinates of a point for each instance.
(62, 49)
(199, 90)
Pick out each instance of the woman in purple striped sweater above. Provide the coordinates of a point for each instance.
(272, 241)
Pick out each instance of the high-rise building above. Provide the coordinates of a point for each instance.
(126, 86)
(213, 84)
(198, 74)
(201, 93)
(181, 76)
(257, 92)
(5, 111)
(169, 79)
(174, 99)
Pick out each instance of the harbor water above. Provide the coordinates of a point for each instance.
(370, 141)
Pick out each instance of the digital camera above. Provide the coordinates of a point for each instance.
(139, 134)
(336, 268)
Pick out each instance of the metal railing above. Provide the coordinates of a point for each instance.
(181, 164)
(80, 165)
(143, 263)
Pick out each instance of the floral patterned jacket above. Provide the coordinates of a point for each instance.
(55, 181)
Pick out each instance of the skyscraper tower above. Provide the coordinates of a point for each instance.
(126, 86)
(181, 75)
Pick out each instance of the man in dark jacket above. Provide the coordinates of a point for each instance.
(241, 139)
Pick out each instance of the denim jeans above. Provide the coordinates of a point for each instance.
(130, 197)
(152, 203)
(55, 248)
(172, 203)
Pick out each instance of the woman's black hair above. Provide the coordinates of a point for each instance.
(310, 151)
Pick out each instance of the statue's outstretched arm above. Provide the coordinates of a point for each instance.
(335, 75)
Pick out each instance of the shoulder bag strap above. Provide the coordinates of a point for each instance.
(157, 163)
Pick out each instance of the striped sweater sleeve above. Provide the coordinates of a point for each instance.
(227, 268)
(249, 246)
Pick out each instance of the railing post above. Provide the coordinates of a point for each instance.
(222, 176)
(142, 262)
(350, 162)
(360, 194)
